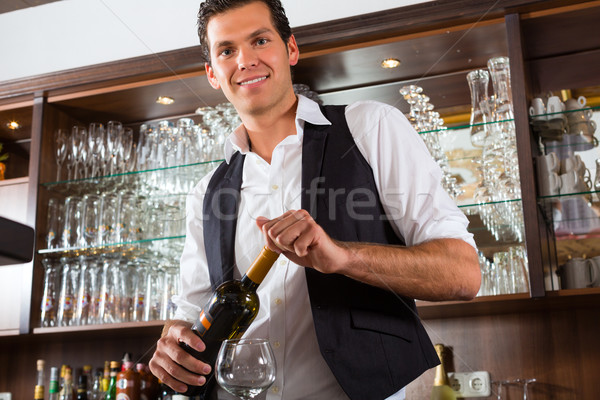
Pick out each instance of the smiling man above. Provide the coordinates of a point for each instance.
(348, 195)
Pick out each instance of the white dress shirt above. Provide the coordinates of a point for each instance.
(407, 179)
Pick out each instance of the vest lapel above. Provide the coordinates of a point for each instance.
(313, 151)
(221, 212)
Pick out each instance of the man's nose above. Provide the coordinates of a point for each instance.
(247, 58)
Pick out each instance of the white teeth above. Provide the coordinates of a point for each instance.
(253, 81)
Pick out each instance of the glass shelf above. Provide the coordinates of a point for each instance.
(133, 247)
(565, 112)
(464, 126)
(146, 181)
(567, 195)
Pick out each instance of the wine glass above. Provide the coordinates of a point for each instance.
(245, 367)
(60, 150)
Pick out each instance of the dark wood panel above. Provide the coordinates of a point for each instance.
(565, 72)
(23, 117)
(18, 355)
(421, 57)
(139, 104)
(561, 34)
(558, 348)
(415, 18)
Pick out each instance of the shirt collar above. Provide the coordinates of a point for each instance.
(307, 111)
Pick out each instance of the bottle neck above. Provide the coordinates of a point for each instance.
(259, 269)
(441, 379)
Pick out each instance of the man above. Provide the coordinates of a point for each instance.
(351, 199)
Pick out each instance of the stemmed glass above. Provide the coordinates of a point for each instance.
(61, 139)
(245, 367)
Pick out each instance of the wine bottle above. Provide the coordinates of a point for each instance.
(441, 388)
(229, 312)
(111, 392)
(53, 387)
(38, 393)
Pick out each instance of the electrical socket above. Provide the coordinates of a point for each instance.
(470, 384)
(5, 396)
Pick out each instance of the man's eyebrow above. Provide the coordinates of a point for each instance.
(258, 32)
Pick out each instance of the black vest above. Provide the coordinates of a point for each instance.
(372, 339)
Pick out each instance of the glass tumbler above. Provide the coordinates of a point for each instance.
(67, 305)
(109, 208)
(72, 236)
(49, 298)
(54, 224)
(90, 220)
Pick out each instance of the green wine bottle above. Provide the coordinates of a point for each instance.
(229, 312)
(441, 388)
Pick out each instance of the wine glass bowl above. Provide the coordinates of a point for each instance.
(245, 367)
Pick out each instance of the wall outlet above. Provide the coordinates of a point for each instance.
(5, 396)
(470, 384)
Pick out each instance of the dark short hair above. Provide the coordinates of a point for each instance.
(210, 8)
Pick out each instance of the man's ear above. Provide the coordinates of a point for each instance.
(293, 51)
(212, 79)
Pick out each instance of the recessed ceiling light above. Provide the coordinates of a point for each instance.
(165, 100)
(389, 63)
(14, 125)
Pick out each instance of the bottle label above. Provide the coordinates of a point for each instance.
(122, 396)
(48, 304)
(68, 303)
(122, 384)
(204, 322)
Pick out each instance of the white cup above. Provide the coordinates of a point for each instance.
(578, 273)
(573, 163)
(537, 110)
(572, 182)
(555, 105)
(549, 184)
(548, 163)
(585, 128)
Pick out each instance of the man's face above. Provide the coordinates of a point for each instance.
(249, 60)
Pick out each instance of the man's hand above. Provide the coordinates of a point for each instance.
(298, 237)
(172, 364)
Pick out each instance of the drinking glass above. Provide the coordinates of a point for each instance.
(88, 291)
(78, 144)
(60, 150)
(67, 306)
(109, 209)
(51, 286)
(171, 288)
(245, 367)
(71, 236)
(90, 220)
(53, 224)
(95, 148)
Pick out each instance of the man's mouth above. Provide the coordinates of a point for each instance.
(253, 81)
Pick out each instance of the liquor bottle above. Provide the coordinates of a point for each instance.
(441, 388)
(106, 377)
(230, 310)
(111, 393)
(128, 381)
(148, 383)
(82, 387)
(38, 393)
(87, 371)
(66, 393)
(53, 387)
(97, 392)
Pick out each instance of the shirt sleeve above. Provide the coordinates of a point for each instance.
(407, 177)
(195, 289)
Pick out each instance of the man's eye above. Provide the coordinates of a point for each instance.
(226, 52)
(261, 41)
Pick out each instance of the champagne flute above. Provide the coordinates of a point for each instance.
(61, 139)
(245, 367)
